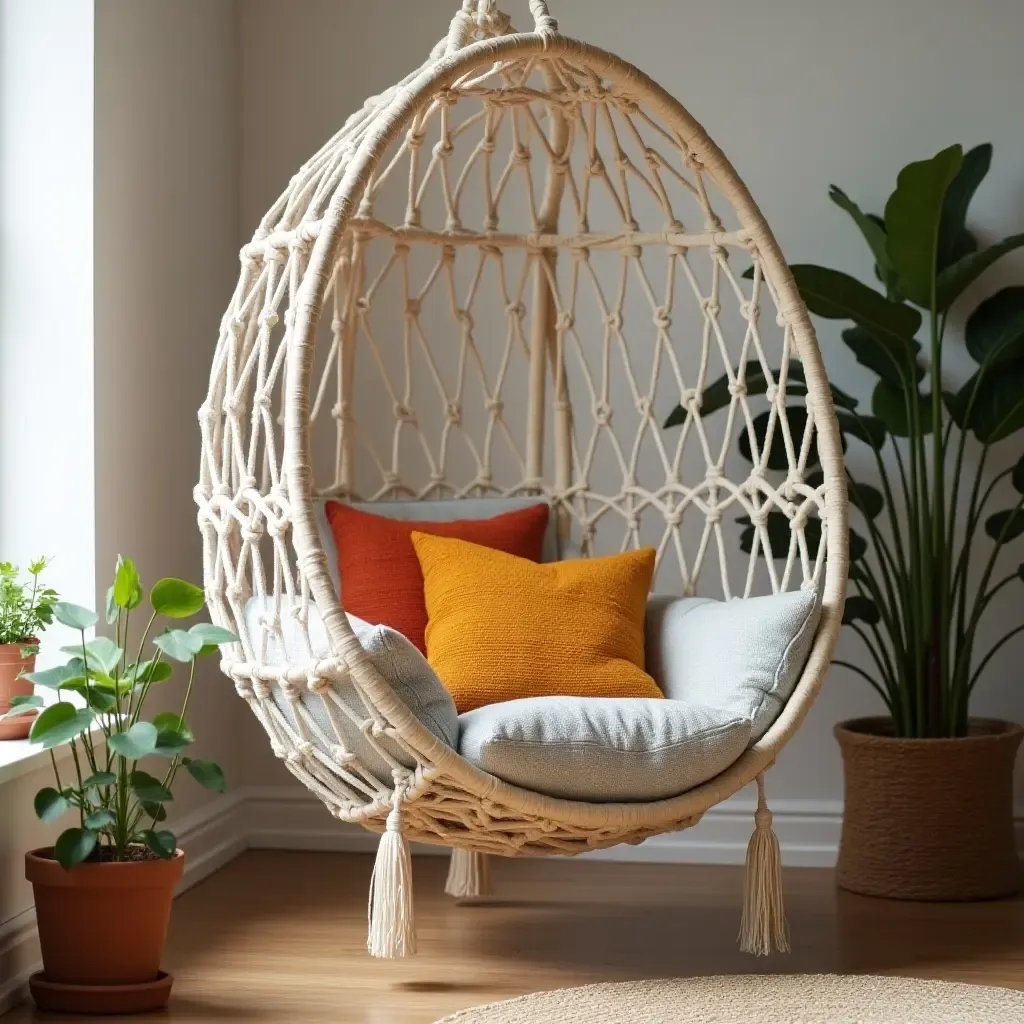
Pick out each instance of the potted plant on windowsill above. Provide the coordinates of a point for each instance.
(103, 891)
(26, 609)
(929, 790)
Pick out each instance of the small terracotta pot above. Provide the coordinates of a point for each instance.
(928, 819)
(12, 665)
(102, 924)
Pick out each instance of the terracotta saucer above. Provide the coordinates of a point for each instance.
(99, 999)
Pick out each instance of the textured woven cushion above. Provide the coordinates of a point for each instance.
(503, 627)
(603, 749)
(743, 655)
(397, 660)
(381, 580)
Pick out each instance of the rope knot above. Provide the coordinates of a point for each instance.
(661, 319)
(342, 757)
(404, 413)
(710, 307)
(643, 406)
(614, 321)
(564, 322)
(713, 516)
(691, 399)
(762, 818)
(317, 684)
(268, 321)
(516, 309)
(673, 518)
(412, 308)
(603, 414)
(465, 318)
(521, 155)
(444, 148)
(453, 413)
(738, 388)
(494, 406)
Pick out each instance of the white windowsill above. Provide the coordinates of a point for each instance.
(19, 757)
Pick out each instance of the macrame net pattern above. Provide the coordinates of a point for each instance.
(539, 270)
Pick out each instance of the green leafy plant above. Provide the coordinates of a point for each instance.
(921, 582)
(26, 608)
(120, 806)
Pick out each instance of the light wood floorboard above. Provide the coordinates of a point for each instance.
(279, 937)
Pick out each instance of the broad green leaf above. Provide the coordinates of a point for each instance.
(100, 653)
(127, 587)
(179, 645)
(873, 231)
(206, 773)
(868, 499)
(54, 678)
(998, 408)
(912, 218)
(890, 406)
(99, 819)
(96, 698)
(154, 811)
(74, 846)
(173, 734)
(110, 606)
(163, 844)
(151, 672)
(954, 239)
(860, 609)
(837, 296)
(74, 615)
(1006, 525)
(212, 637)
(893, 360)
(1017, 478)
(60, 723)
(868, 429)
(98, 780)
(176, 599)
(956, 403)
(994, 332)
(148, 789)
(23, 704)
(138, 741)
(51, 805)
(957, 277)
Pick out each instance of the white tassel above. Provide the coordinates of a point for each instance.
(392, 926)
(763, 928)
(469, 874)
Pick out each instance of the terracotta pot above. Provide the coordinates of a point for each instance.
(12, 665)
(928, 819)
(102, 925)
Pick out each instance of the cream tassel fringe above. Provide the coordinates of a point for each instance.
(469, 874)
(763, 928)
(392, 927)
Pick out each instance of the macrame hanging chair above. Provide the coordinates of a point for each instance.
(529, 254)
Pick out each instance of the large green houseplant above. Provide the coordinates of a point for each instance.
(935, 522)
(103, 892)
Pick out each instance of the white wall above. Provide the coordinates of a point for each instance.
(46, 351)
(798, 95)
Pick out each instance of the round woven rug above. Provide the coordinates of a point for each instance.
(758, 999)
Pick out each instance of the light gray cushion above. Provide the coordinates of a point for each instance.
(744, 656)
(448, 511)
(395, 657)
(602, 749)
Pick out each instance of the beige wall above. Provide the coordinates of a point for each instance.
(166, 254)
(799, 95)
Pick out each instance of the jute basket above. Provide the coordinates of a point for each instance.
(928, 819)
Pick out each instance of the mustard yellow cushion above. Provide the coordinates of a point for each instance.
(501, 627)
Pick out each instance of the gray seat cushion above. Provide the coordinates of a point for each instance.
(602, 749)
(395, 657)
(744, 656)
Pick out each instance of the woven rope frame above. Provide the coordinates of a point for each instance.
(257, 490)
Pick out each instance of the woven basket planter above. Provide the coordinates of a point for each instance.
(928, 819)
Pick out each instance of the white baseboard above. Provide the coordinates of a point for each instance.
(288, 817)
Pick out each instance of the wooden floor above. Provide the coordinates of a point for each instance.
(280, 937)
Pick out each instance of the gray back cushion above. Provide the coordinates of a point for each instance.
(447, 511)
(602, 749)
(745, 655)
(395, 657)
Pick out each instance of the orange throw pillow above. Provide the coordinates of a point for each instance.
(381, 579)
(502, 628)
